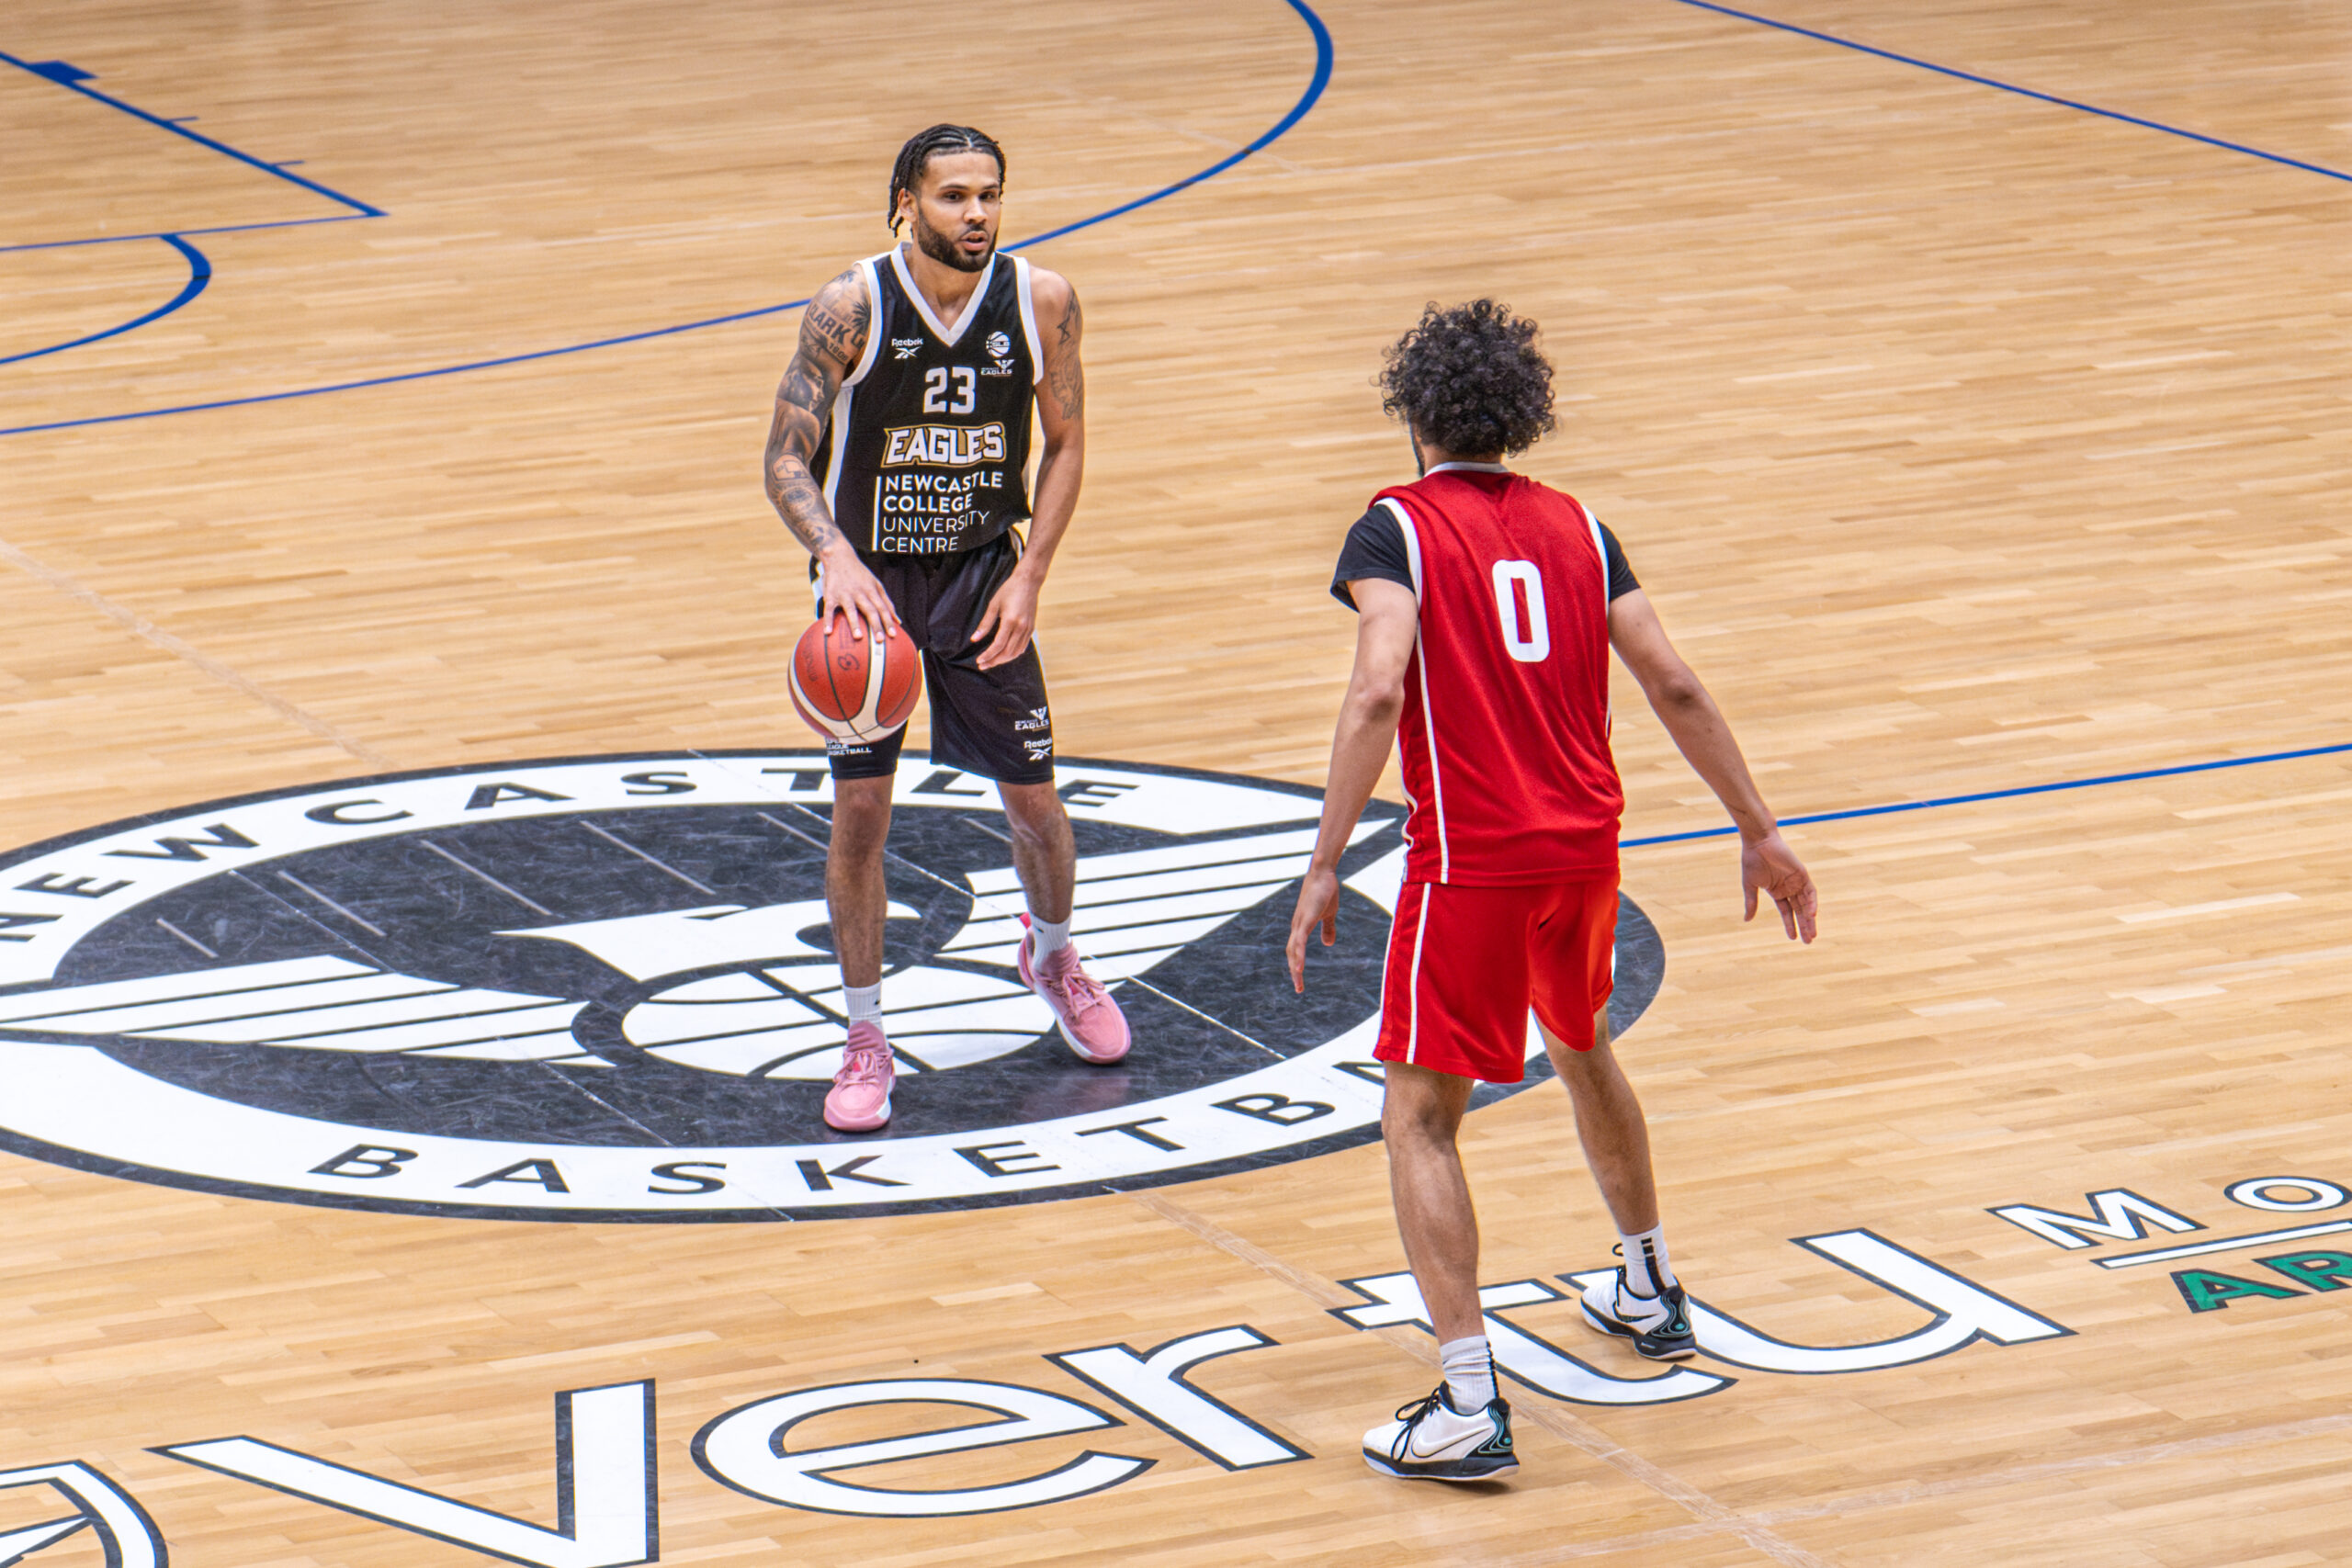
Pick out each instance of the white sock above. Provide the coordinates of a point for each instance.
(1051, 936)
(1647, 1272)
(864, 1002)
(1469, 1374)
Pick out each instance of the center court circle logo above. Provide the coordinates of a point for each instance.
(602, 989)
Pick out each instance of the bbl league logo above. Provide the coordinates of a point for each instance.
(604, 989)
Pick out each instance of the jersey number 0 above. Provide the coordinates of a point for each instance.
(1515, 580)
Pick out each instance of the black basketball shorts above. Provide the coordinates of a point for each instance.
(992, 723)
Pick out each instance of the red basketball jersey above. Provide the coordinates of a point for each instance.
(1504, 733)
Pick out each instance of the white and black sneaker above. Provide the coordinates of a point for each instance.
(1658, 1326)
(1431, 1440)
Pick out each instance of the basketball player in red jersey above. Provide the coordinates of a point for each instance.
(899, 458)
(1487, 607)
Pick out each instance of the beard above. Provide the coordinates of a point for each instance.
(941, 248)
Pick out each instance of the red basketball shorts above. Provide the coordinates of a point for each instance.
(1466, 963)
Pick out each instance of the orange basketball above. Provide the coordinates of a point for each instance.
(854, 688)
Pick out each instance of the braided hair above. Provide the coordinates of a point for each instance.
(922, 147)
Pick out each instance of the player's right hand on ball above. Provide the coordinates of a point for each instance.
(850, 589)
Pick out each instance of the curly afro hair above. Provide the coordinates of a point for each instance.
(1471, 380)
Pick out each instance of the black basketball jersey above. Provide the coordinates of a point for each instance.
(927, 450)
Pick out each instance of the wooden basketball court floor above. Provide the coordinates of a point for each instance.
(1967, 383)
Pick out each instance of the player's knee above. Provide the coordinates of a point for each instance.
(861, 823)
(1418, 1140)
(1033, 813)
(1414, 1115)
(1406, 1129)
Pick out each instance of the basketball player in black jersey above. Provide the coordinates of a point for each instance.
(898, 458)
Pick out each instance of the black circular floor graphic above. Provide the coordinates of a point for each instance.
(603, 988)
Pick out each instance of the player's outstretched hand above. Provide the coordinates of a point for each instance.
(850, 589)
(1319, 904)
(1009, 620)
(1769, 865)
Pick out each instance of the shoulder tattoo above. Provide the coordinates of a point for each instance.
(837, 319)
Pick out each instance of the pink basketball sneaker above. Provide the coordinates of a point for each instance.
(1090, 1020)
(859, 1100)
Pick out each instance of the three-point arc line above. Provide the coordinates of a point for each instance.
(1321, 80)
(200, 273)
(1298, 112)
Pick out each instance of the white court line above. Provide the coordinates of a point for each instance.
(1711, 1517)
(2228, 1244)
(2218, 907)
(149, 632)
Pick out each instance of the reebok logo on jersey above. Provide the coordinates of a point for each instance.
(943, 445)
(906, 348)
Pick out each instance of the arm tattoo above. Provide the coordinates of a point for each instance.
(1066, 384)
(836, 320)
(1065, 379)
(833, 339)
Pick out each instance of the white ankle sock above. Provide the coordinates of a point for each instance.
(1469, 1374)
(1647, 1272)
(1050, 936)
(864, 1002)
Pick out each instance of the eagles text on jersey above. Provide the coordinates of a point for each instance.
(928, 443)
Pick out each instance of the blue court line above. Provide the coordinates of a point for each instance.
(70, 79)
(2074, 104)
(2003, 793)
(1315, 89)
(199, 273)
(165, 234)
(1322, 79)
